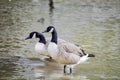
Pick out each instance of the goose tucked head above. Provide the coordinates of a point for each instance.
(37, 35)
(49, 29)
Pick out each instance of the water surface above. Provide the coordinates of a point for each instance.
(93, 24)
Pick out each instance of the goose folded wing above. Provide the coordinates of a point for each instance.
(70, 48)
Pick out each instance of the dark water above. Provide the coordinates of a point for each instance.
(93, 24)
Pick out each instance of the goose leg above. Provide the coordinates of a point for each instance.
(70, 70)
(64, 68)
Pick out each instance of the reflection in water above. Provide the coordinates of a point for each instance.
(93, 24)
(51, 8)
(33, 69)
(11, 69)
(51, 4)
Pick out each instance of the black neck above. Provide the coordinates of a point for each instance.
(54, 36)
(42, 39)
(40, 36)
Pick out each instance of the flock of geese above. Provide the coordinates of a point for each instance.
(61, 51)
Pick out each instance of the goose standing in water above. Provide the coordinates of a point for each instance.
(40, 47)
(65, 53)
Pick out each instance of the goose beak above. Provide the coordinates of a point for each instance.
(91, 55)
(27, 38)
(44, 31)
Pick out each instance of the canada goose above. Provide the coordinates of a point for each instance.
(40, 46)
(65, 53)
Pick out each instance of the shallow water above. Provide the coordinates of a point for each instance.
(93, 24)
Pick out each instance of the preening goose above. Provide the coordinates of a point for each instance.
(40, 47)
(65, 53)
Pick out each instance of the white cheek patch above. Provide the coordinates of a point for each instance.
(51, 30)
(34, 36)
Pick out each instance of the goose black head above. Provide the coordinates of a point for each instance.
(37, 35)
(53, 31)
(49, 29)
(30, 35)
